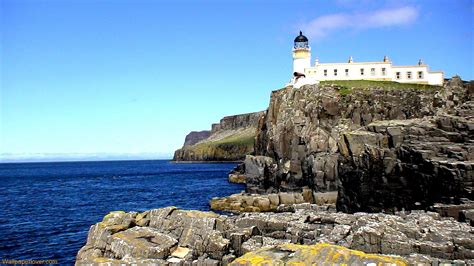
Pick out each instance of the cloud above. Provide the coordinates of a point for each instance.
(323, 26)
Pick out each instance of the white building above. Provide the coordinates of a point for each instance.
(305, 73)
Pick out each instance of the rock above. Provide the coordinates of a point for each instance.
(237, 175)
(188, 237)
(308, 195)
(460, 212)
(263, 203)
(142, 219)
(255, 165)
(424, 166)
(142, 242)
(289, 254)
(181, 252)
(238, 203)
(382, 149)
(287, 198)
(236, 178)
(322, 198)
(274, 199)
(258, 242)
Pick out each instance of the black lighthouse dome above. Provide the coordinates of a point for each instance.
(301, 41)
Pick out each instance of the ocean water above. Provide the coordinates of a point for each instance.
(47, 208)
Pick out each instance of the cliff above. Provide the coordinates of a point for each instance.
(229, 140)
(381, 145)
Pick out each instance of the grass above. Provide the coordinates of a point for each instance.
(348, 85)
(237, 140)
(345, 91)
(244, 140)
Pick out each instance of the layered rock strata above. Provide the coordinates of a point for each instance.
(244, 202)
(229, 140)
(170, 236)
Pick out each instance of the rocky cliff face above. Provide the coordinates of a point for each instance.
(229, 140)
(381, 148)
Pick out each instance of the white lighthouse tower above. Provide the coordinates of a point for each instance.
(301, 62)
(301, 54)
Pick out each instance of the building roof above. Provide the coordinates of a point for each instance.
(301, 38)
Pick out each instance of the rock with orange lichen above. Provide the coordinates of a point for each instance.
(170, 236)
(319, 254)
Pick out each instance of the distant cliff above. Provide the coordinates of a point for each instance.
(229, 140)
(195, 136)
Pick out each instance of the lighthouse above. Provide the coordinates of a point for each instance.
(304, 73)
(301, 54)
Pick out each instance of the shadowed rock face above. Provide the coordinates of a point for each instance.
(170, 235)
(229, 140)
(407, 164)
(382, 149)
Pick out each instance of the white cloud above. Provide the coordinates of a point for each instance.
(320, 27)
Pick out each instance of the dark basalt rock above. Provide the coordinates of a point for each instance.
(382, 149)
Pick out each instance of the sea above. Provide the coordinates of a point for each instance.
(48, 208)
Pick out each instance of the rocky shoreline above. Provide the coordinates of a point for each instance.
(170, 236)
(372, 176)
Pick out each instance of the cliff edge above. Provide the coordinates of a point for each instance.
(229, 140)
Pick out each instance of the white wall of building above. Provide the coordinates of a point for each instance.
(374, 71)
(417, 74)
(351, 71)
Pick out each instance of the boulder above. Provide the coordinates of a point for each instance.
(142, 242)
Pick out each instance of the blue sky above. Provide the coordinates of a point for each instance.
(129, 79)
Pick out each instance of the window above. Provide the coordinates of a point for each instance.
(361, 71)
(335, 72)
(409, 75)
(347, 72)
(372, 71)
(420, 74)
(398, 74)
(384, 71)
(325, 72)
